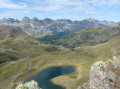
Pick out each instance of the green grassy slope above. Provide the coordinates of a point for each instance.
(15, 44)
(13, 73)
(86, 37)
(51, 39)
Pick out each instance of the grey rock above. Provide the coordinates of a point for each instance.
(28, 85)
(104, 75)
(38, 28)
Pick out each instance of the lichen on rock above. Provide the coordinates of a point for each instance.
(104, 75)
(28, 85)
(101, 76)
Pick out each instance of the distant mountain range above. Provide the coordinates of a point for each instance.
(39, 28)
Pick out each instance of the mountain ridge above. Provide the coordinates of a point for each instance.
(37, 28)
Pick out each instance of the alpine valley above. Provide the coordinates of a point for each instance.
(64, 54)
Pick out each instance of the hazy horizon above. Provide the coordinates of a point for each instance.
(58, 19)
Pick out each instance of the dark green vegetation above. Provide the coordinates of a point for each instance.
(86, 37)
(34, 57)
(51, 39)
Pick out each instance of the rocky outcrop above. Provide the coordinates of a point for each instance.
(101, 76)
(28, 85)
(104, 75)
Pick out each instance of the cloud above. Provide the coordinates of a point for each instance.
(58, 5)
(10, 5)
(62, 8)
(72, 5)
(106, 2)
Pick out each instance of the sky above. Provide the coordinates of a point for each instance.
(61, 9)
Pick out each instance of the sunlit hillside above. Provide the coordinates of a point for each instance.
(40, 56)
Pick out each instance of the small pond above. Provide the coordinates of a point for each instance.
(43, 78)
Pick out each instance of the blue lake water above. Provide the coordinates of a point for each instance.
(43, 78)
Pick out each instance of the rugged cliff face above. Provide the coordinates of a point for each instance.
(104, 75)
(38, 28)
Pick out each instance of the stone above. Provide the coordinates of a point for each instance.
(28, 85)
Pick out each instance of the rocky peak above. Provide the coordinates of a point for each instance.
(25, 20)
(7, 20)
(90, 19)
(16, 21)
(35, 19)
(47, 20)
